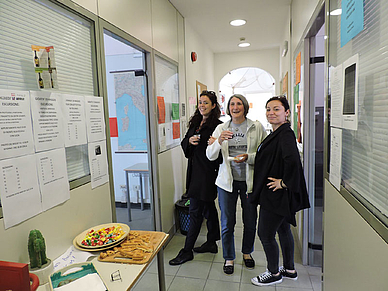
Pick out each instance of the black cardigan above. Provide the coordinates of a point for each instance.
(278, 157)
(201, 173)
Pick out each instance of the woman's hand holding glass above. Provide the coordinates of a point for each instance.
(225, 135)
(194, 140)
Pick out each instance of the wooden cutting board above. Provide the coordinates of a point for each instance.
(155, 238)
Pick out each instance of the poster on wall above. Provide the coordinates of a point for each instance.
(45, 67)
(53, 179)
(336, 96)
(350, 93)
(73, 109)
(161, 110)
(20, 195)
(199, 87)
(352, 19)
(335, 156)
(98, 163)
(47, 120)
(285, 85)
(298, 68)
(94, 113)
(15, 124)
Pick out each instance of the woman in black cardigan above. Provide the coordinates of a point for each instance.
(200, 179)
(280, 189)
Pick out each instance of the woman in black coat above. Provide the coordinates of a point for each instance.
(200, 180)
(280, 189)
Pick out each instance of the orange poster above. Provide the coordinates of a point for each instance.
(113, 127)
(161, 110)
(298, 64)
(176, 130)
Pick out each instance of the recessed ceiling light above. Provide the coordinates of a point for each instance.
(336, 12)
(244, 44)
(238, 22)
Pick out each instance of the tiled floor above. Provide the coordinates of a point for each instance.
(205, 271)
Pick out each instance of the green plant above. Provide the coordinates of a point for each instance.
(36, 249)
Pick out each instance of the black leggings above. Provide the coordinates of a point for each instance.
(198, 210)
(269, 224)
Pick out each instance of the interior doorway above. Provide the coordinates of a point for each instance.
(255, 84)
(315, 134)
(127, 104)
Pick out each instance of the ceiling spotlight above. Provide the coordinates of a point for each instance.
(243, 43)
(238, 22)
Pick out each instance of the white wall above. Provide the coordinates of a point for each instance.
(352, 249)
(301, 12)
(202, 70)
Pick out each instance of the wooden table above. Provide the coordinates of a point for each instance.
(129, 273)
(140, 169)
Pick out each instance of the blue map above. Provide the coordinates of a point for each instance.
(130, 111)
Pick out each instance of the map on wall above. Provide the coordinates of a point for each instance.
(130, 110)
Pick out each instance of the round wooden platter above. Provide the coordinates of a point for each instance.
(77, 242)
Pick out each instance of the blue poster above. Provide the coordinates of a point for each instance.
(352, 19)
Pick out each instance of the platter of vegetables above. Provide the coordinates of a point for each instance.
(102, 236)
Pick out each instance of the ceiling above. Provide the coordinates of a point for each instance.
(265, 27)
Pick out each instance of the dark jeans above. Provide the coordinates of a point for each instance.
(269, 224)
(228, 202)
(199, 209)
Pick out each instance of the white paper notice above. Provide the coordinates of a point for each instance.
(15, 124)
(98, 163)
(162, 137)
(335, 156)
(73, 110)
(350, 93)
(47, 120)
(71, 256)
(336, 96)
(19, 190)
(94, 112)
(53, 180)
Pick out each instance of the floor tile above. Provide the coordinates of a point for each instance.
(195, 269)
(186, 284)
(212, 285)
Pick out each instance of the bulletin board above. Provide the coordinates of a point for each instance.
(167, 99)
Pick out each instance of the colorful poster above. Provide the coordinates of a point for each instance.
(352, 19)
(113, 127)
(175, 130)
(45, 67)
(161, 110)
(298, 68)
(175, 111)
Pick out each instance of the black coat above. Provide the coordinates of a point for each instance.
(201, 173)
(278, 157)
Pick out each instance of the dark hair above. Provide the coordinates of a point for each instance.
(243, 100)
(212, 119)
(283, 100)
